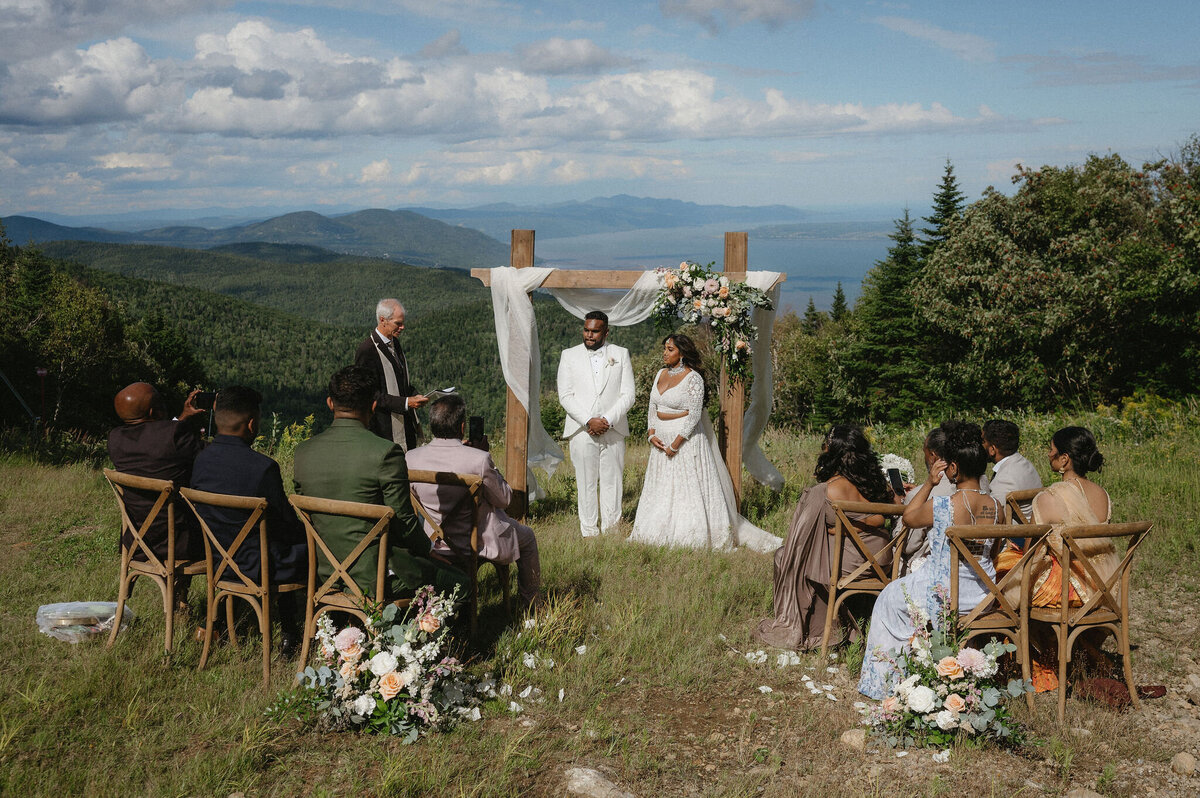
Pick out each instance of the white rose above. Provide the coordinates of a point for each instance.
(946, 720)
(363, 705)
(921, 699)
(698, 284)
(382, 663)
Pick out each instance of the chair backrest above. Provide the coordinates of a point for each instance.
(845, 530)
(1012, 505)
(994, 601)
(377, 535)
(472, 491)
(1110, 594)
(161, 489)
(256, 506)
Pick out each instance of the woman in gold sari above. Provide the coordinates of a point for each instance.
(1075, 501)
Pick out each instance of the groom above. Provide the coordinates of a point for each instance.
(595, 387)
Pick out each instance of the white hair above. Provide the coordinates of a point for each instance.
(387, 308)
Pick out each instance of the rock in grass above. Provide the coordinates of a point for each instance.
(1183, 763)
(1083, 792)
(593, 784)
(855, 738)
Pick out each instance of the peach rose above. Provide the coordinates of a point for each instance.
(955, 703)
(697, 304)
(352, 652)
(948, 668)
(429, 624)
(724, 292)
(891, 704)
(670, 280)
(348, 671)
(390, 685)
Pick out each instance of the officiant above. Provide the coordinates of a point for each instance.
(395, 416)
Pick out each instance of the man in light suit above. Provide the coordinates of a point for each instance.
(395, 414)
(595, 387)
(1012, 470)
(501, 539)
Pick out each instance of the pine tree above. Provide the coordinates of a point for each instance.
(948, 204)
(839, 310)
(813, 318)
(887, 361)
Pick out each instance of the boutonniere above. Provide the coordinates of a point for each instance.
(612, 361)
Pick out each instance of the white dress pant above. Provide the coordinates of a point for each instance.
(599, 467)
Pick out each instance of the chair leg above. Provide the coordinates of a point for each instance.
(830, 611)
(1025, 658)
(168, 589)
(264, 623)
(1123, 645)
(310, 631)
(122, 596)
(210, 621)
(233, 641)
(1064, 657)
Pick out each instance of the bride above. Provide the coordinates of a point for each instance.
(687, 499)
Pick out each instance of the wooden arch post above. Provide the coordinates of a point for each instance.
(733, 396)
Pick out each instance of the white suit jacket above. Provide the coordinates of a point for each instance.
(584, 396)
(1015, 472)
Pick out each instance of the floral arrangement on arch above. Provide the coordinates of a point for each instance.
(951, 690)
(390, 677)
(696, 294)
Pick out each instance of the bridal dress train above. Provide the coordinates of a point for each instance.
(687, 500)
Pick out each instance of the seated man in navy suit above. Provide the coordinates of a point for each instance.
(228, 465)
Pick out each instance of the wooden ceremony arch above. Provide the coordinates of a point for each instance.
(516, 420)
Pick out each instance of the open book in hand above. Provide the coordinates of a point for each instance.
(440, 392)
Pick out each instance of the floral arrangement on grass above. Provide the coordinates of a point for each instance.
(952, 691)
(696, 294)
(390, 677)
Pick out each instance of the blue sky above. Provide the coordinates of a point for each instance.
(143, 104)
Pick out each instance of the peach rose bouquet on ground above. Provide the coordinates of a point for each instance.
(389, 676)
(951, 691)
(694, 294)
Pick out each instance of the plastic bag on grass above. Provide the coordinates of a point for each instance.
(74, 621)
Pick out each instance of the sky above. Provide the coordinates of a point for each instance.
(111, 106)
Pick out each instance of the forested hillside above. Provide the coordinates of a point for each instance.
(284, 320)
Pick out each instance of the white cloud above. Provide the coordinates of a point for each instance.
(133, 160)
(715, 14)
(1002, 171)
(376, 172)
(967, 46)
(558, 56)
(489, 168)
(449, 43)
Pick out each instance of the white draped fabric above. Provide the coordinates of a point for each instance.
(520, 354)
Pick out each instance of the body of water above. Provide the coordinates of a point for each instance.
(813, 266)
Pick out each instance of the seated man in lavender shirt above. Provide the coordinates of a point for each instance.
(502, 539)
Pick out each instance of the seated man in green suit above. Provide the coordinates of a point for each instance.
(348, 462)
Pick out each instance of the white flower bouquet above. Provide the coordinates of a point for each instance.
(901, 464)
(695, 294)
(951, 691)
(389, 677)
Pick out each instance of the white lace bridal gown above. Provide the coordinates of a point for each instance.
(687, 500)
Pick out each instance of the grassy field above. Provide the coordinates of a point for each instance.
(663, 700)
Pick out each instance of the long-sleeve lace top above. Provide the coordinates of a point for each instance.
(686, 396)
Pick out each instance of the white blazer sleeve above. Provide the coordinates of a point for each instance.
(625, 396)
(567, 396)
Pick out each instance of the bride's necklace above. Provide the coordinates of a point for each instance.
(679, 369)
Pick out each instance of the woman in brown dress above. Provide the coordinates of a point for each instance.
(847, 470)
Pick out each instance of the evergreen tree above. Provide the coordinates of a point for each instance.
(839, 310)
(887, 360)
(948, 205)
(813, 318)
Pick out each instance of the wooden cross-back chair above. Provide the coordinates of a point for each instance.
(163, 573)
(871, 577)
(349, 597)
(995, 614)
(1107, 608)
(466, 557)
(1013, 513)
(226, 581)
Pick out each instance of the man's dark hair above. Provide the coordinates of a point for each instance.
(446, 416)
(235, 405)
(597, 314)
(1004, 435)
(353, 388)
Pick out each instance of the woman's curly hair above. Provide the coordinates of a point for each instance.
(848, 453)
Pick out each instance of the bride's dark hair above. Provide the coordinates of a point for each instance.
(848, 453)
(689, 355)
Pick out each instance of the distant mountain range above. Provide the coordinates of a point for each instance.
(419, 236)
(395, 235)
(607, 214)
